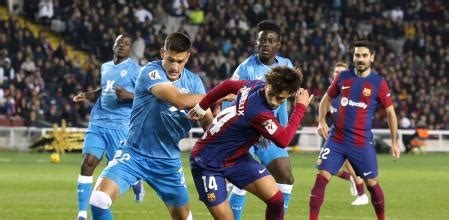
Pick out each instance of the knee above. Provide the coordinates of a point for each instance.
(100, 200)
(89, 164)
(286, 178)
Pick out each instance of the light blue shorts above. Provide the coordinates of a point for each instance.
(99, 140)
(165, 176)
(268, 154)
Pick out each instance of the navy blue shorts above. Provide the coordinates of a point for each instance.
(211, 184)
(363, 159)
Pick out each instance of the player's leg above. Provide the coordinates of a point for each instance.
(266, 189)
(94, 146)
(115, 180)
(364, 161)
(330, 159)
(211, 188)
(278, 163)
(254, 177)
(357, 183)
(167, 178)
(114, 139)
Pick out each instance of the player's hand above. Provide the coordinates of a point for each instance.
(121, 93)
(323, 129)
(80, 97)
(395, 152)
(193, 115)
(303, 97)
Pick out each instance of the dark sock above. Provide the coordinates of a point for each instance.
(377, 199)
(275, 207)
(317, 196)
(344, 175)
(360, 188)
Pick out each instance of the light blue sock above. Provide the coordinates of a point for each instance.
(84, 188)
(286, 192)
(237, 203)
(101, 214)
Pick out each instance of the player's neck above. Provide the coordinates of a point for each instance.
(118, 60)
(269, 61)
(364, 73)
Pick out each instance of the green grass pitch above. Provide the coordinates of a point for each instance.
(415, 187)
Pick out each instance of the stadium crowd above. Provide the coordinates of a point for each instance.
(38, 82)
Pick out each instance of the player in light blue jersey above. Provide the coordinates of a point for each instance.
(164, 91)
(273, 157)
(109, 118)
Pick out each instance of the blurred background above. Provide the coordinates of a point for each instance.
(52, 49)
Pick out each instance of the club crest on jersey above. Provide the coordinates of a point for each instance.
(366, 91)
(270, 126)
(154, 75)
(123, 73)
(211, 197)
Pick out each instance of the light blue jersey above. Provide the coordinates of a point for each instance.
(253, 69)
(156, 127)
(109, 118)
(109, 111)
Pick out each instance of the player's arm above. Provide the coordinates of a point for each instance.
(393, 124)
(271, 129)
(384, 96)
(325, 104)
(122, 94)
(241, 73)
(169, 93)
(323, 128)
(221, 90)
(89, 95)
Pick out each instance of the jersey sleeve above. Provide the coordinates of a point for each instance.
(289, 63)
(333, 90)
(385, 95)
(150, 76)
(241, 73)
(220, 91)
(269, 127)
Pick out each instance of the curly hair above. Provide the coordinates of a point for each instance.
(284, 78)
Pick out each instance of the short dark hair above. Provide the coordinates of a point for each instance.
(284, 78)
(267, 25)
(177, 42)
(364, 43)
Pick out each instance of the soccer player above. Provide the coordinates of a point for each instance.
(360, 90)
(273, 157)
(356, 183)
(164, 89)
(223, 151)
(109, 118)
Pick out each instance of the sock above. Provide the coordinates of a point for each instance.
(237, 202)
(344, 175)
(275, 207)
(101, 214)
(360, 188)
(377, 199)
(84, 186)
(286, 190)
(317, 196)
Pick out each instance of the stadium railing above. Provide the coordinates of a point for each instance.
(20, 138)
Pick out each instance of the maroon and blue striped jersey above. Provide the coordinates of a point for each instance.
(359, 97)
(239, 127)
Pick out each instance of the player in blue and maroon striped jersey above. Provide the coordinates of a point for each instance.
(360, 90)
(223, 152)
